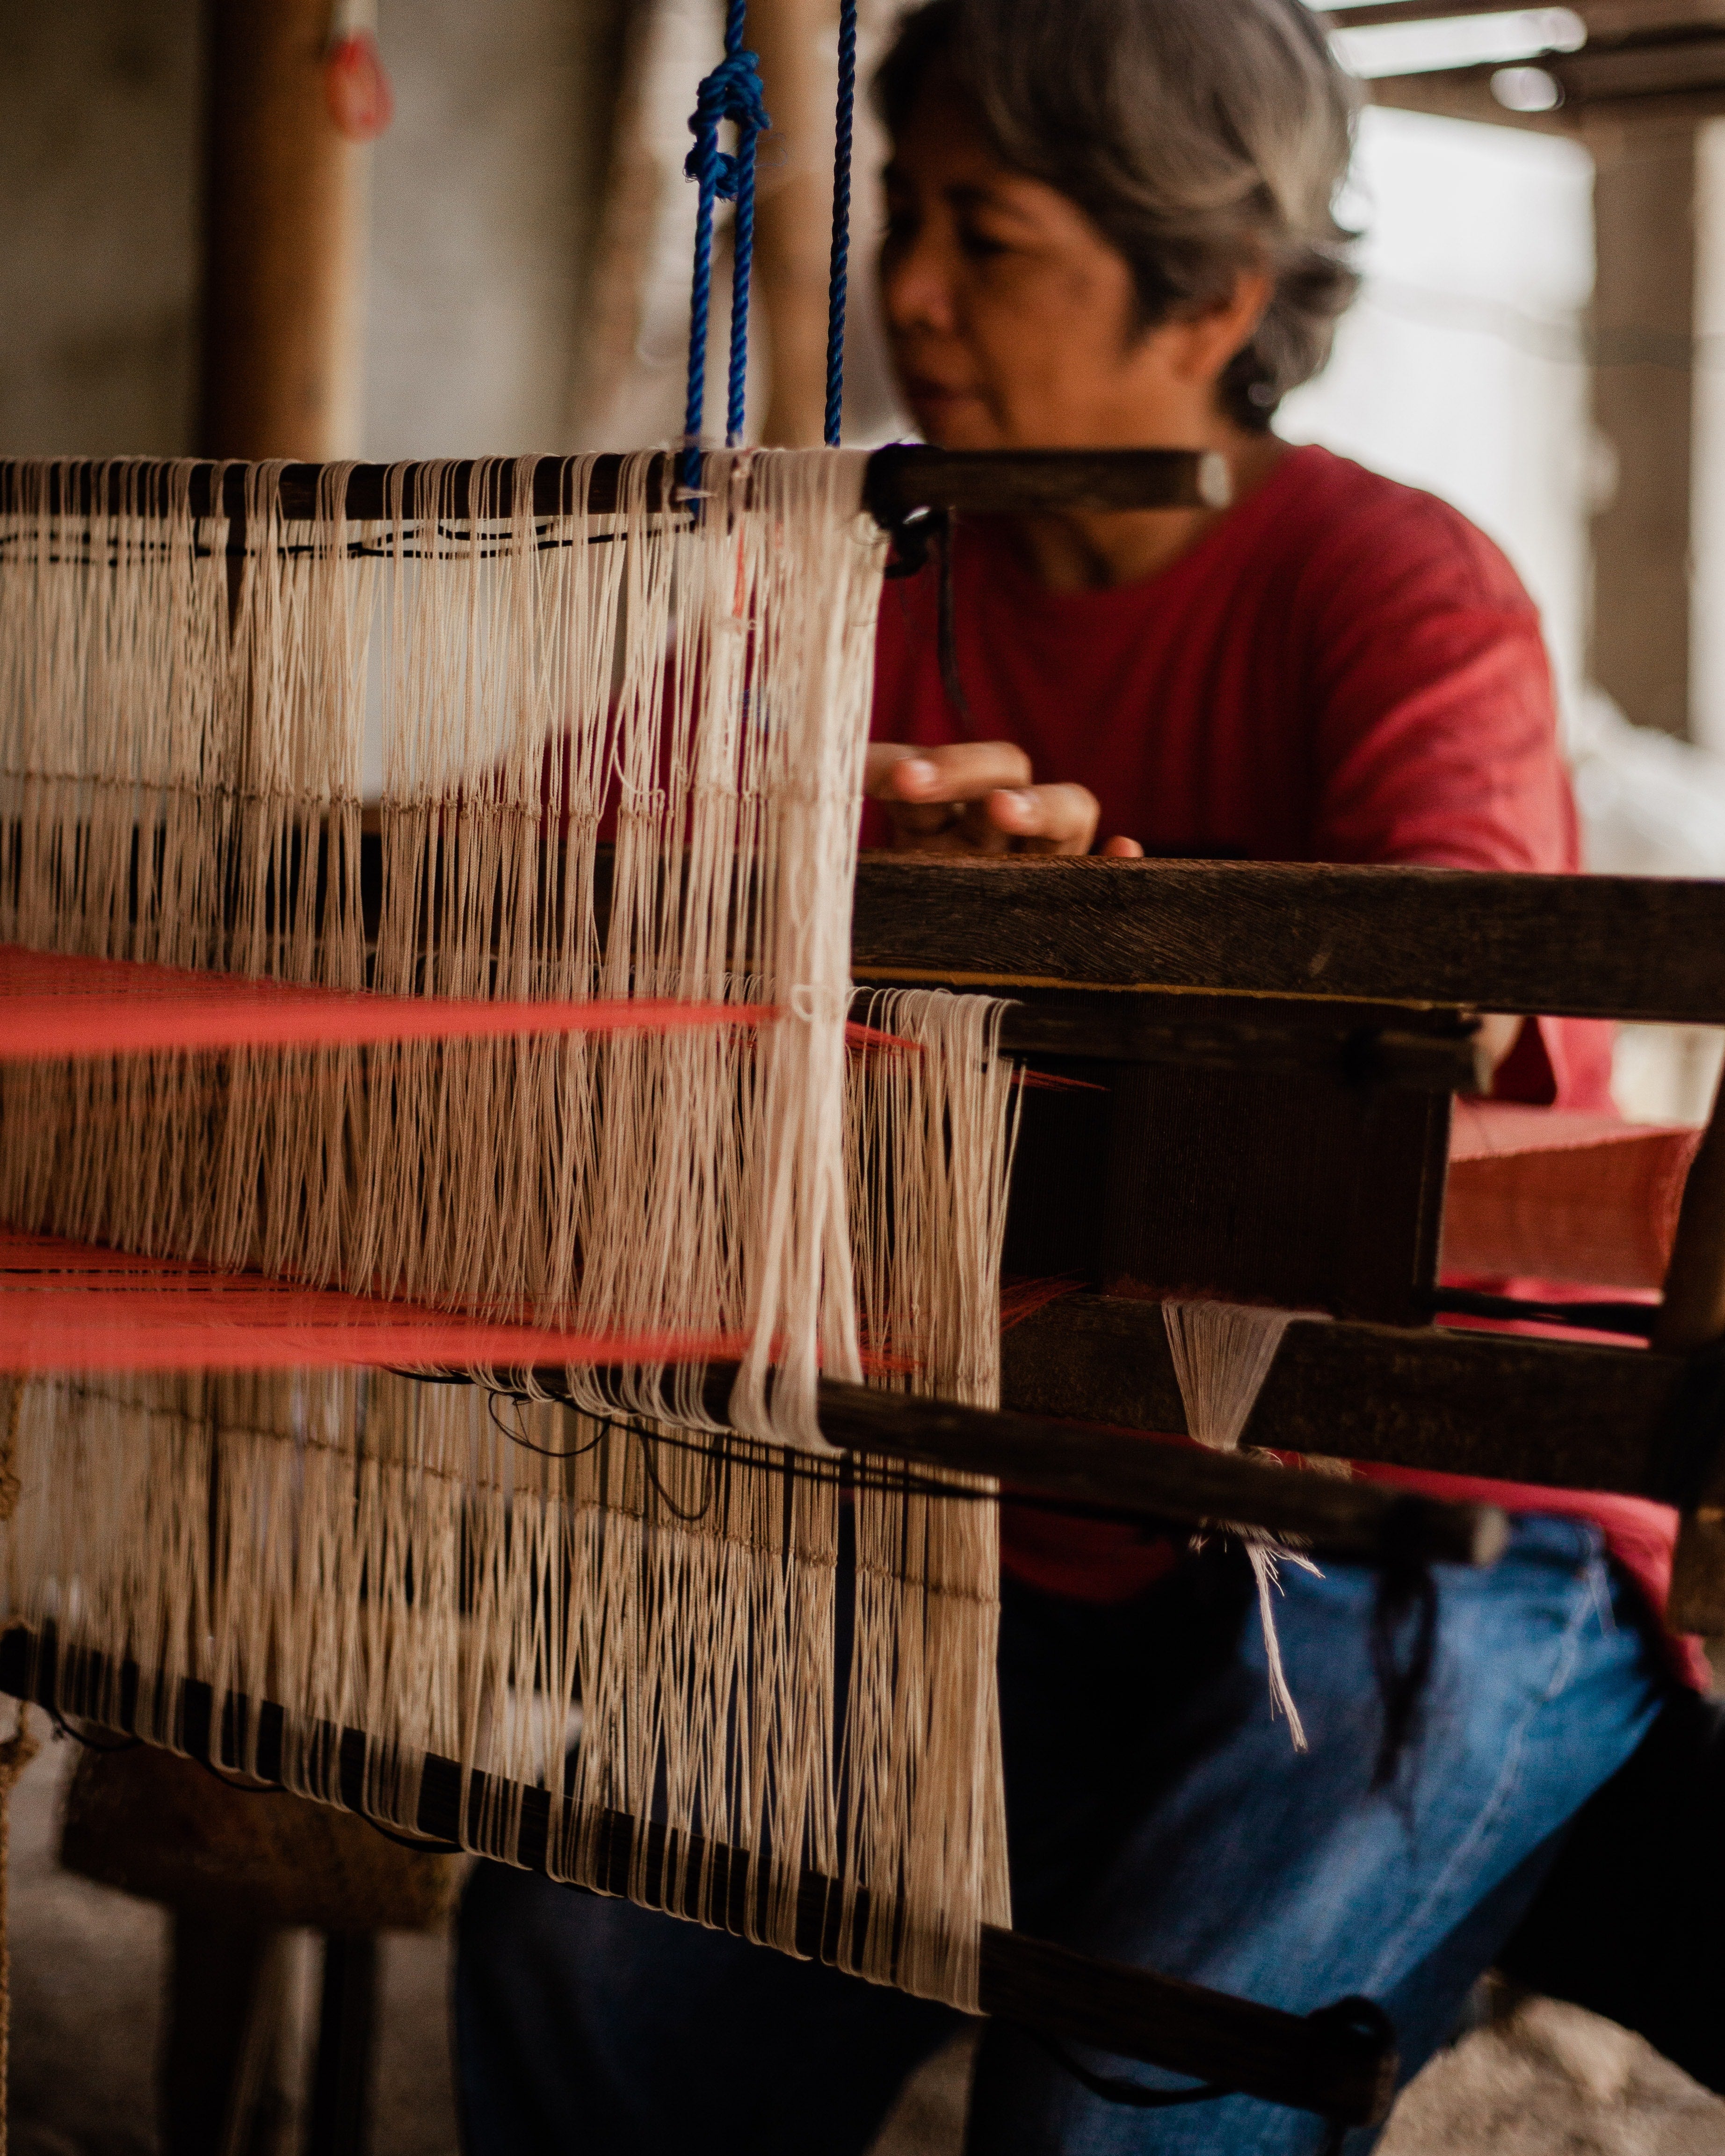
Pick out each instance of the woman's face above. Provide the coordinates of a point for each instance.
(1013, 321)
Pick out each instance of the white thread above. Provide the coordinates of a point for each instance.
(375, 1554)
(1222, 1353)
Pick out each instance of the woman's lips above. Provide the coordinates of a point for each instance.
(921, 391)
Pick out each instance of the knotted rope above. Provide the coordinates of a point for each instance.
(732, 92)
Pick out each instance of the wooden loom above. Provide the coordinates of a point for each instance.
(1292, 1038)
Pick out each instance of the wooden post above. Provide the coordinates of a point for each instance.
(1692, 1319)
(278, 377)
(283, 208)
(1643, 325)
(346, 2065)
(793, 219)
(219, 2085)
(614, 287)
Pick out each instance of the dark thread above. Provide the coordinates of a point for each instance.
(62, 1727)
(422, 1845)
(1113, 2089)
(1406, 1591)
(946, 540)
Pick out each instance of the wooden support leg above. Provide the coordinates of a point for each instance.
(1691, 1321)
(222, 2091)
(341, 2115)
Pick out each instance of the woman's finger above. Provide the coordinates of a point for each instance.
(1046, 819)
(909, 823)
(955, 771)
(1121, 849)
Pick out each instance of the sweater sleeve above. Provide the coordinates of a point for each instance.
(1436, 735)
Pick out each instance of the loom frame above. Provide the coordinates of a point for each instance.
(1439, 945)
(1318, 2064)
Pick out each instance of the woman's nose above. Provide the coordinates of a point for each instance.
(915, 285)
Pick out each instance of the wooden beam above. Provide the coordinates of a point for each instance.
(1321, 2064)
(906, 476)
(1360, 1047)
(1691, 1321)
(1463, 1402)
(902, 478)
(283, 206)
(1300, 1190)
(344, 2066)
(1119, 1473)
(1587, 947)
(1466, 94)
(1608, 20)
(794, 207)
(1643, 296)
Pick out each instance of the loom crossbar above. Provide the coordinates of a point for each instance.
(1347, 2074)
(1637, 948)
(901, 480)
(1568, 1413)
(1122, 1473)
(1360, 1047)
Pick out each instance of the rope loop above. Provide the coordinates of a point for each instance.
(732, 91)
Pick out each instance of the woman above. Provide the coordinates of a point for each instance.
(1110, 224)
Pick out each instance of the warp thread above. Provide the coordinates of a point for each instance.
(363, 1554)
(1222, 1353)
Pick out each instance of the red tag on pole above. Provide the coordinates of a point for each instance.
(357, 88)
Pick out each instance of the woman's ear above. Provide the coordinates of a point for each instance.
(1211, 338)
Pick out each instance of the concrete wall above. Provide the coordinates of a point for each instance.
(1461, 368)
(98, 226)
(481, 207)
(483, 194)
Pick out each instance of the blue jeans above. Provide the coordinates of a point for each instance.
(1156, 1816)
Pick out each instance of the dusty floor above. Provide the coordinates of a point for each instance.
(86, 1963)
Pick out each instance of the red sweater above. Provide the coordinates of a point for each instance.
(1341, 670)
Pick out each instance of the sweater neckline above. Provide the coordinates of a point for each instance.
(1239, 526)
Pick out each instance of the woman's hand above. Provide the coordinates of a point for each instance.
(978, 797)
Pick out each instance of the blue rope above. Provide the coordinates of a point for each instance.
(732, 91)
(839, 282)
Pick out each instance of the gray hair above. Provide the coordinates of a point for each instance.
(1201, 137)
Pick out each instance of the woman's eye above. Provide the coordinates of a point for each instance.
(979, 246)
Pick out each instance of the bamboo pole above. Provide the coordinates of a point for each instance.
(282, 224)
(793, 223)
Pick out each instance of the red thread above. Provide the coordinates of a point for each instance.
(1020, 1299)
(68, 1306)
(52, 1007)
